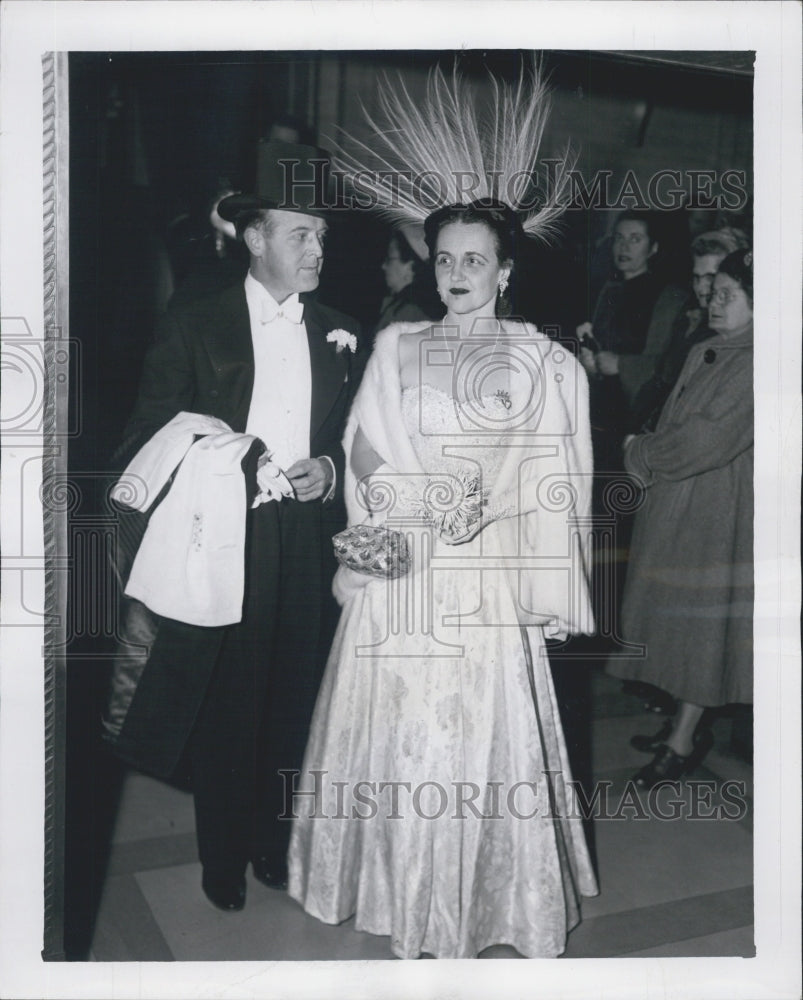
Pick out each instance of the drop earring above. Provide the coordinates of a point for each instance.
(502, 285)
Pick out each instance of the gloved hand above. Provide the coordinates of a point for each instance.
(272, 482)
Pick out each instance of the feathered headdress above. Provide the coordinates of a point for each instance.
(441, 151)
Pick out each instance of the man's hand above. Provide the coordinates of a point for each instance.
(311, 478)
(608, 363)
(272, 483)
(588, 360)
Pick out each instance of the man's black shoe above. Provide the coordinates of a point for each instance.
(224, 892)
(270, 872)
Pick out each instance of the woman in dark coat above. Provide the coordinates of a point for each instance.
(689, 591)
(620, 347)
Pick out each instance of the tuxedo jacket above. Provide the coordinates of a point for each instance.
(202, 361)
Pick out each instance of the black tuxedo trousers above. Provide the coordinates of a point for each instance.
(254, 720)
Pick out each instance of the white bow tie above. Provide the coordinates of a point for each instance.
(291, 309)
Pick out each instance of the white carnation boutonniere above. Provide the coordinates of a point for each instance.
(343, 339)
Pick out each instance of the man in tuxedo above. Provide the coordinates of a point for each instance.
(233, 704)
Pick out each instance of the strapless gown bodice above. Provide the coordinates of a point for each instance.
(452, 436)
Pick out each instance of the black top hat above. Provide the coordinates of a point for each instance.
(290, 176)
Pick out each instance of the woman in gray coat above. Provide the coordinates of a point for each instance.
(689, 592)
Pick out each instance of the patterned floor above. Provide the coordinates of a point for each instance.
(669, 887)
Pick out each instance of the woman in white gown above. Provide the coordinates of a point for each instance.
(443, 813)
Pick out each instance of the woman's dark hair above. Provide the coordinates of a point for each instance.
(649, 219)
(739, 266)
(406, 252)
(407, 255)
(505, 226)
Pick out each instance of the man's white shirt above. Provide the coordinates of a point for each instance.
(280, 404)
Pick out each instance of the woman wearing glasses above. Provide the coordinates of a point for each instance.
(689, 592)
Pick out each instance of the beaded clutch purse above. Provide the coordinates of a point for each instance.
(374, 550)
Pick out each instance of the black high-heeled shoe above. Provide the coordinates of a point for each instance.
(649, 744)
(660, 703)
(667, 765)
